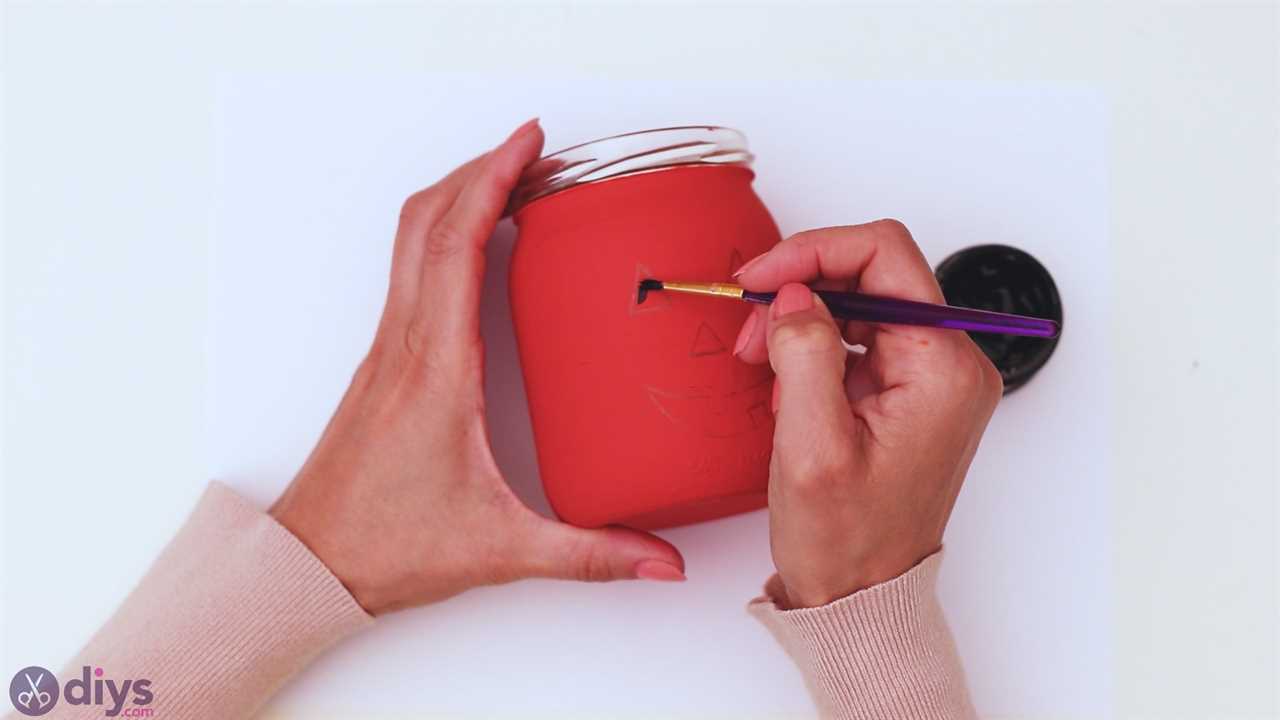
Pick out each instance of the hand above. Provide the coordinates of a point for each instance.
(869, 451)
(401, 497)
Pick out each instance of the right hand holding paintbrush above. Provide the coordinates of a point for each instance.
(869, 449)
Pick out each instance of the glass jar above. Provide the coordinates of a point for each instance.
(641, 414)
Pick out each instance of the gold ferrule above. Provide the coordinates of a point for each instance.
(720, 289)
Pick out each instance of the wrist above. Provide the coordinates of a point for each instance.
(811, 587)
(296, 515)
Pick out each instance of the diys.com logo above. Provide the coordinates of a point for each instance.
(35, 691)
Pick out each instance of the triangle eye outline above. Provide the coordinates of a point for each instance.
(655, 302)
(706, 342)
(658, 301)
(735, 261)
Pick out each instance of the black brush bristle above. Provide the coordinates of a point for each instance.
(646, 286)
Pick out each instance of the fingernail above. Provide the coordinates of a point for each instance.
(524, 129)
(744, 335)
(749, 263)
(658, 570)
(793, 297)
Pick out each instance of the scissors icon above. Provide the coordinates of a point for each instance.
(35, 694)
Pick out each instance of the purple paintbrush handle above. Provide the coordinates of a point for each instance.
(872, 308)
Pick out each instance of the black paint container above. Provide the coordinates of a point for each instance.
(1004, 279)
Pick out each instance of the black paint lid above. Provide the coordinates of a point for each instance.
(1008, 280)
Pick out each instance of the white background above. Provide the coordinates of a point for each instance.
(299, 276)
(112, 229)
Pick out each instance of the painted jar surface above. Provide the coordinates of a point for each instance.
(641, 414)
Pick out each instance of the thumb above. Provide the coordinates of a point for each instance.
(561, 551)
(808, 359)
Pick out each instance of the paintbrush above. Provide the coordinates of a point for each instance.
(876, 309)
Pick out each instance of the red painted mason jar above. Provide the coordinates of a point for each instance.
(641, 414)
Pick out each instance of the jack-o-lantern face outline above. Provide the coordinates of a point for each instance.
(702, 408)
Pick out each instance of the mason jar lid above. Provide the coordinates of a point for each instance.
(628, 153)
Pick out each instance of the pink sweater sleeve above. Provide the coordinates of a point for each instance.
(235, 605)
(232, 608)
(883, 652)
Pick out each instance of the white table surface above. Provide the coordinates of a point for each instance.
(111, 173)
(298, 278)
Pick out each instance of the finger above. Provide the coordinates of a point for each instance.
(839, 285)
(565, 552)
(750, 345)
(860, 377)
(453, 263)
(861, 333)
(814, 421)
(879, 258)
(420, 211)
(417, 214)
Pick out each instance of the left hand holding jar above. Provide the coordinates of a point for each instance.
(401, 497)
